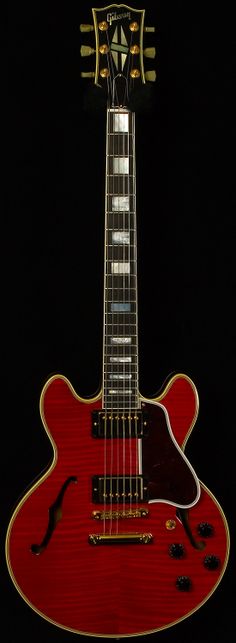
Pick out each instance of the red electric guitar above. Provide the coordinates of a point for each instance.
(119, 537)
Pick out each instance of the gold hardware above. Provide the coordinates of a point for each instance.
(149, 52)
(103, 26)
(151, 75)
(170, 524)
(86, 28)
(134, 26)
(87, 74)
(104, 73)
(149, 29)
(135, 73)
(132, 538)
(120, 513)
(103, 49)
(86, 51)
(134, 49)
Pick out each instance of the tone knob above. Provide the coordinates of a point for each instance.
(211, 562)
(176, 550)
(205, 529)
(183, 583)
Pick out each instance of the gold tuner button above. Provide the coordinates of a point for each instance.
(86, 28)
(104, 73)
(151, 76)
(86, 51)
(103, 49)
(134, 26)
(135, 73)
(103, 26)
(134, 49)
(149, 29)
(150, 52)
(87, 74)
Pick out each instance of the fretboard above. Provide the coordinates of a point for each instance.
(120, 354)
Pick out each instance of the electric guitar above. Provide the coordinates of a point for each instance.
(118, 537)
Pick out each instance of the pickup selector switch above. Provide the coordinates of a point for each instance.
(211, 562)
(205, 529)
(183, 583)
(176, 550)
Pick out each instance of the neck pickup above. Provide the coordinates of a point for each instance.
(119, 424)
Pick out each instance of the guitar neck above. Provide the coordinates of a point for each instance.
(120, 341)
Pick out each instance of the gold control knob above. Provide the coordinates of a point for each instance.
(86, 51)
(151, 76)
(150, 52)
(87, 74)
(149, 29)
(86, 28)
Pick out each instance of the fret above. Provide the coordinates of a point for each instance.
(120, 350)
(120, 221)
(120, 282)
(120, 184)
(116, 295)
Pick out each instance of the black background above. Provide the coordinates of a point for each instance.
(53, 251)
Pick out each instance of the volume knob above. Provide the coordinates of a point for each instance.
(205, 529)
(211, 562)
(176, 550)
(183, 583)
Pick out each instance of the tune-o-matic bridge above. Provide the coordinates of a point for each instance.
(119, 489)
(113, 514)
(119, 424)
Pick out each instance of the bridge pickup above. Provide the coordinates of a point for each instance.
(120, 539)
(119, 489)
(123, 424)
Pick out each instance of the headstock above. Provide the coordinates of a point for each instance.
(119, 66)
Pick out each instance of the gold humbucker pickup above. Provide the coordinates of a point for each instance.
(120, 539)
(122, 513)
(119, 489)
(123, 424)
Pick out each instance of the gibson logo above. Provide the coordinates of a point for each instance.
(117, 16)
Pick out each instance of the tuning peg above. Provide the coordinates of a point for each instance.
(86, 28)
(150, 52)
(87, 74)
(86, 51)
(149, 29)
(151, 75)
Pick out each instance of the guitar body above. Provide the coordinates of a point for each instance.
(115, 588)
